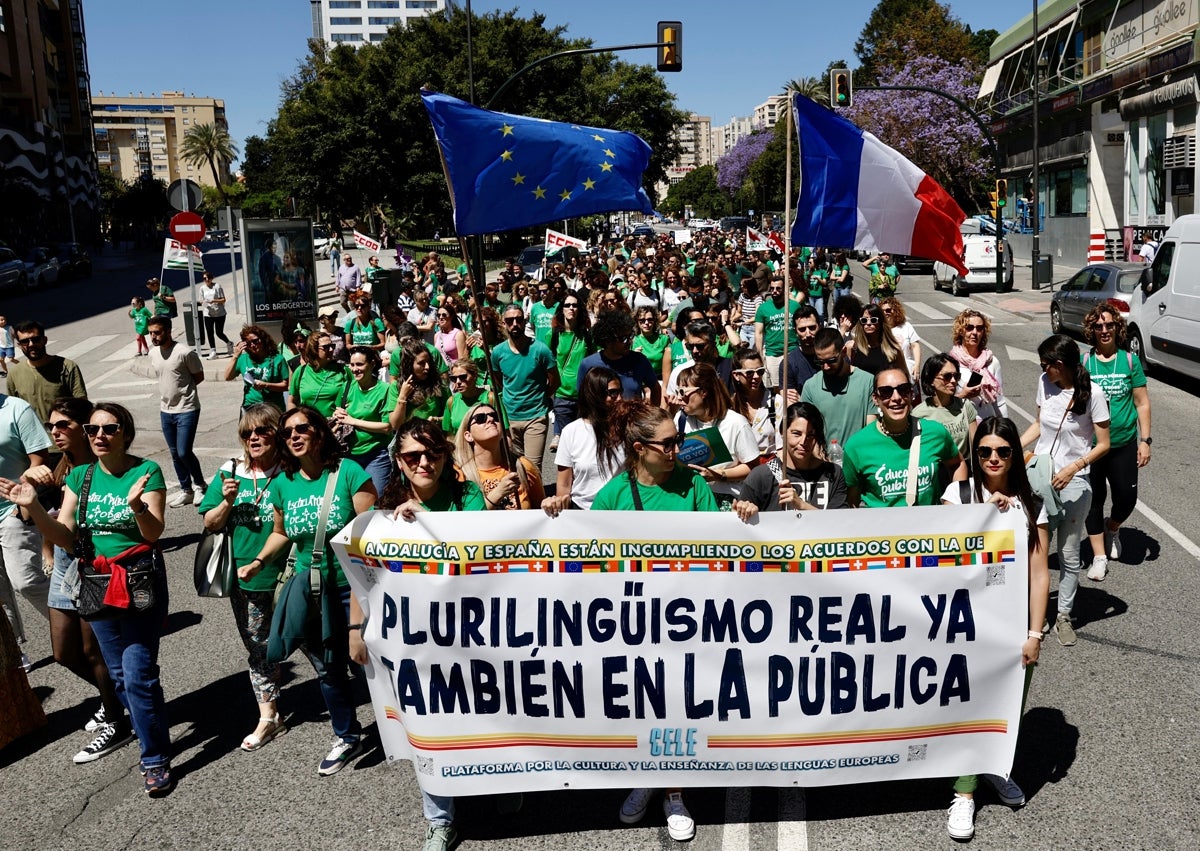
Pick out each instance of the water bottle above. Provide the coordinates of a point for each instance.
(835, 452)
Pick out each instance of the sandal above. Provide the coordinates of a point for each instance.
(275, 727)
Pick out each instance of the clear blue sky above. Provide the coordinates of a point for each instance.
(735, 54)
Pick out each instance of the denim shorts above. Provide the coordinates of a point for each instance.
(8, 351)
(58, 599)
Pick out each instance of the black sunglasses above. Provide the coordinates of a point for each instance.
(109, 429)
(669, 445)
(58, 425)
(886, 391)
(261, 431)
(412, 459)
(298, 428)
(485, 417)
(985, 452)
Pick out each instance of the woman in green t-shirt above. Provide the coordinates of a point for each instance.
(571, 342)
(125, 505)
(319, 382)
(421, 393)
(465, 391)
(263, 369)
(364, 328)
(650, 339)
(309, 456)
(238, 499)
(370, 407)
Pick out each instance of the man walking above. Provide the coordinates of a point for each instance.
(842, 393)
(349, 280)
(529, 378)
(179, 371)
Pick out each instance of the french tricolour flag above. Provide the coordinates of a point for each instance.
(856, 192)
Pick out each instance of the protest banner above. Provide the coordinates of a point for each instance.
(556, 240)
(756, 241)
(682, 237)
(364, 241)
(175, 254)
(619, 649)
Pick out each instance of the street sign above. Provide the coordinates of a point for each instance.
(187, 227)
(184, 194)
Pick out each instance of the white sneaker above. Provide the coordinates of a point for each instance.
(1098, 570)
(635, 805)
(1112, 543)
(960, 821)
(184, 497)
(1010, 793)
(680, 823)
(199, 491)
(212, 355)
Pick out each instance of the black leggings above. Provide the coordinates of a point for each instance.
(214, 326)
(1119, 470)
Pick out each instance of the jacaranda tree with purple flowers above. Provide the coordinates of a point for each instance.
(733, 169)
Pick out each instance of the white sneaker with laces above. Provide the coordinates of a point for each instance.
(680, 823)
(1098, 570)
(1112, 544)
(109, 737)
(635, 805)
(1010, 793)
(184, 497)
(199, 491)
(960, 821)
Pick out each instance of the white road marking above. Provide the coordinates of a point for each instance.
(123, 353)
(1188, 546)
(97, 382)
(127, 398)
(925, 310)
(83, 347)
(1020, 354)
(959, 306)
(793, 820)
(141, 383)
(735, 835)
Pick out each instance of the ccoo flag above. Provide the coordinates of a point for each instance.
(510, 171)
(856, 192)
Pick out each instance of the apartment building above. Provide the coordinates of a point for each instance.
(140, 135)
(356, 22)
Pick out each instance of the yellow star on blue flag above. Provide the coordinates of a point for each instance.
(492, 157)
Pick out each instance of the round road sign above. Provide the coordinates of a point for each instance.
(188, 228)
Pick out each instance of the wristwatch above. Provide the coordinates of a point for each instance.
(1147, 440)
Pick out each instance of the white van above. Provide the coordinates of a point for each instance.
(979, 256)
(1164, 313)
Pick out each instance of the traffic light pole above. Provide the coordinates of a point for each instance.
(580, 52)
(987, 134)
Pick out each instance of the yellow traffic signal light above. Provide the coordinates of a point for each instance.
(841, 88)
(996, 203)
(1001, 193)
(670, 53)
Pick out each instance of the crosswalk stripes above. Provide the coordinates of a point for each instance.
(735, 833)
(962, 304)
(925, 310)
(793, 820)
(77, 351)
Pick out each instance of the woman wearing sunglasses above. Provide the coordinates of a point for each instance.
(650, 340)
(507, 481)
(126, 501)
(939, 381)
(1072, 428)
(588, 454)
(980, 378)
(320, 382)
(449, 339)
(754, 401)
(239, 500)
(264, 371)
(1000, 479)
(308, 456)
(465, 391)
(71, 637)
(425, 481)
(878, 459)
(874, 347)
(570, 342)
(707, 404)
(364, 328)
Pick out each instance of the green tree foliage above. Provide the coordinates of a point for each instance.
(899, 30)
(209, 144)
(698, 190)
(352, 135)
(814, 88)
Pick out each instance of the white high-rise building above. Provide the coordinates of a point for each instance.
(727, 135)
(767, 113)
(356, 22)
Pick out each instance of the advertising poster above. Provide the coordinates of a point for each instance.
(277, 255)
(607, 649)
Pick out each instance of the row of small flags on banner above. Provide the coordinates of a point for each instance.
(682, 566)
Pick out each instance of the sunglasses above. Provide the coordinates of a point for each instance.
(1105, 326)
(972, 328)
(829, 361)
(412, 459)
(109, 429)
(868, 320)
(570, 305)
(887, 391)
(1045, 365)
(328, 347)
(1001, 452)
(58, 425)
(696, 347)
(949, 377)
(29, 341)
(669, 445)
(514, 320)
(613, 393)
(298, 428)
(443, 316)
(459, 377)
(485, 417)
(687, 392)
(261, 431)
(252, 341)
(751, 373)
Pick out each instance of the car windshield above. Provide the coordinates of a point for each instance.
(1128, 281)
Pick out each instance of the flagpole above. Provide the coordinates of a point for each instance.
(787, 284)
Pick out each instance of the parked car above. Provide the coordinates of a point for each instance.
(41, 267)
(1164, 310)
(73, 262)
(907, 264)
(1092, 285)
(979, 256)
(531, 258)
(735, 223)
(12, 270)
(320, 242)
(644, 230)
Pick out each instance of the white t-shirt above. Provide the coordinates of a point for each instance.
(577, 450)
(740, 440)
(207, 294)
(1075, 437)
(953, 497)
(766, 431)
(670, 298)
(906, 335)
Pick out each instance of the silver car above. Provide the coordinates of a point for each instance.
(1092, 285)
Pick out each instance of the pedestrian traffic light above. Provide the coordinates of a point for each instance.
(841, 88)
(670, 50)
(1001, 192)
(995, 197)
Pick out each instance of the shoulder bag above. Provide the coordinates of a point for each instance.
(213, 569)
(288, 574)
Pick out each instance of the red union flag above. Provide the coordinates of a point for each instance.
(364, 241)
(556, 240)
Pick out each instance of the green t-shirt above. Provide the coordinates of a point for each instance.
(652, 349)
(251, 518)
(372, 405)
(438, 361)
(456, 409)
(957, 417)
(114, 528)
(272, 369)
(877, 465)
(684, 490)
(432, 407)
(472, 499)
(364, 335)
(542, 320)
(300, 502)
(1117, 378)
(774, 320)
(525, 389)
(162, 307)
(320, 388)
(571, 352)
(141, 319)
(846, 406)
(818, 280)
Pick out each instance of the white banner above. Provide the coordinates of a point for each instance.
(175, 254)
(682, 237)
(556, 240)
(364, 241)
(622, 649)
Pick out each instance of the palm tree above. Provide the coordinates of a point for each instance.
(813, 88)
(209, 143)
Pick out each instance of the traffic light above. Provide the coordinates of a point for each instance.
(670, 54)
(841, 88)
(996, 202)
(1001, 195)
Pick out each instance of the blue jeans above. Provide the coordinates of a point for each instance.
(818, 304)
(438, 809)
(378, 464)
(335, 685)
(838, 292)
(179, 430)
(130, 649)
(1076, 499)
(565, 411)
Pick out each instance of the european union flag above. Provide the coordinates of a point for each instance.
(510, 171)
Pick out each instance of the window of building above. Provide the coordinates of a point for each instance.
(3, 27)
(186, 121)
(1156, 175)
(346, 22)
(378, 36)
(345, 36)
(383, 4)
(1134, 171)
(383, 22)
(428, 5)
(1064, 191)
(345, 4)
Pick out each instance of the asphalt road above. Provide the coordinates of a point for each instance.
(1106, 720)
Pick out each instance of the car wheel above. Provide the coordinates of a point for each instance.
(956, 287)
(1136, 347)
(1008, 284)
(1056, 325)
(937, 284)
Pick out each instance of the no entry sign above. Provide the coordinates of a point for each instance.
(187, 227)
